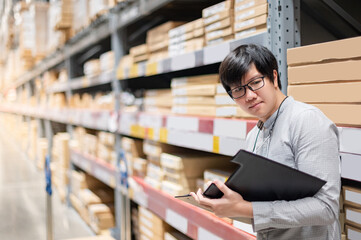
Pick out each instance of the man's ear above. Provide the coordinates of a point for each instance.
(275, 79)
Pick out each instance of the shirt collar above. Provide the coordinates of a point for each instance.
(269, 122)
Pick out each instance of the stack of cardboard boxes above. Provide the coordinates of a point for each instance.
(139, 53)
(186, 38)
(150, 225)
(218, 22)
(352, 212)
(158, 100)
(250, 17)
(106, 146)
(195, 95)
(107, 61)
(133, 150)
(327, 75)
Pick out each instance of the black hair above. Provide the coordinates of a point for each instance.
(237, 63)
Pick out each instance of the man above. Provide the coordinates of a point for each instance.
(289, 132)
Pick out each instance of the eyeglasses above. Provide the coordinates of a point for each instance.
(253, 85)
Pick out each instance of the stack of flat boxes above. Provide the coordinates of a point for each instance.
(181, 170)
(92, 68)
(81, 19)
(105, 148)
(327, 76)
(226, 107)
(218, 22)
(139, 53)
(195, 95)
(158, 40)
(158, 100)
(250, 17)
(133, 150)
(107, 61)
(352, 212)
(186, 38)
(151, 226)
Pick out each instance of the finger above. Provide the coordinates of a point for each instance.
(221, 186)
(207, 184)
(194, 196)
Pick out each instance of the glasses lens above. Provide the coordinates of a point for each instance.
(238, 92)
(256, 83)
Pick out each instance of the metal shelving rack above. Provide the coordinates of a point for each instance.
(284, 31)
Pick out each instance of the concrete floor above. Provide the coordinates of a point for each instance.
(23, 200)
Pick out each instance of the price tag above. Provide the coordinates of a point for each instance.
(134, 130)
(216, 144)
(151, 68)
(163, 135)
(133, 71)
(206, 235)
(176, 220)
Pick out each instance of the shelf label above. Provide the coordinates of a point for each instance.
(151, 133)
(216, 144)
(163, 135)
(206, 235)
(176, 220)
(151, 68)
(133, 71)
(137, 131)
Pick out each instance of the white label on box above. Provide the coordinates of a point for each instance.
(179, 91)
(203, 234)
(146, 222)
(244, 6)
(353, 235)
(353, 216)
(215, 34)
(213, 26)
(245, 32)
(180, 100)
(199, 141)
(244, 226)
(217, 53)
(246, 14)
(230, 146)
(183, 123)
(352, 196)
(350, 140)
(245, 23)
(146, 231)
(214, 9)
(184, 61)
(230, 128)
(350, 166)
(211, 19)
(147, 213)
(176, 220)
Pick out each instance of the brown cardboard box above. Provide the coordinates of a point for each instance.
(133, 146)
(326, 72)
(227, 22)
(241, 5)
(251, 12)
(175, 235)
(329, 51)
(229, 4)
(198, 32)
(331, 92)
(250, 23)
(342, 114)
(219, 34)
(353, 217)
(218, 17)
(353, 233)
(352, 196)
(232, 111)
(194, 101)
(194, 110)
(139, 50)
(195, 80)
(195, 90)
(95, 196)
(220, 40)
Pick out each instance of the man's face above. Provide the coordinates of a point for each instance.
(261, 103)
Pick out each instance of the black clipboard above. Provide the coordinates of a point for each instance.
(260, 179)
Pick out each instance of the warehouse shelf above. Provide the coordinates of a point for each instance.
(192, 221)
(96, 167)
(206, 56)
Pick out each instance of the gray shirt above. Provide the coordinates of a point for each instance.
(305, 139)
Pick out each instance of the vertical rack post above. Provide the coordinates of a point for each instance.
(49, 207)
(283, 32)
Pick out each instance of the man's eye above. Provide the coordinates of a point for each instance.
(238, 89)
(256, 82)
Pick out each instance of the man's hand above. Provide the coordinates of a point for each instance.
(231, 204)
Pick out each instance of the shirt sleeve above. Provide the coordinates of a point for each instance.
(314, 140)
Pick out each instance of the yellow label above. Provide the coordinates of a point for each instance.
(134, 130)
(133, 71)
(141, 132)
(151, 69)
(163, 135)
(151, 133)
(216, 144)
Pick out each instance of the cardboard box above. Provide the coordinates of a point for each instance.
(140, 167)
(230, 111)
(251, 12)
(224, 99)
(353, 217)
(95, 196)
(213, 174)
(353, 233)
(198, 32)
(195, 80)
(219, 34)
(160, 32)
(194, 101)
(227, 22)
(327, 72)
(133, 146)
(352, 196)
(329, 51)
(175, 235)
(139, 50)
(222, 6)
(217, 17)
(331, 92)
(251, 31)
(185, 28)
(250, 23)
(195, 90)
(342, 114)
(155, 149)
(194, 110)
(241, 5)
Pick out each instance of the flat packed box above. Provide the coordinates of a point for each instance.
(224, 99)
(195, 80)
(185, 28)
(194, 101)
(179, 177)
(348, 92)
(158, 92)
(251, 13)
(232, 111)
(158, 101)
(174, 189)
(251, 31)
(342, 114)
(194, 110)
(352, 196)
(241, 5)
(353, 233)
(227, 22)
(95, 196)
(198, 32)
(133, 146)
(335, 50)
(139, 50)
(195, 90)
(353, 217)
(155, 171)
(326, 72)
(219, 34)
(155, 149)
(160, 33)
(250, 23)
(216, 174)
(175, 235)
(229, 4)
(218, 16)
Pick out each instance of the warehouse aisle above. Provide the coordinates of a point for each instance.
(23, 200)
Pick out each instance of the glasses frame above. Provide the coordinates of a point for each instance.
(246, 86)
